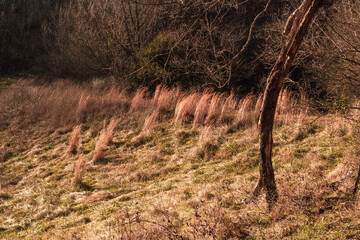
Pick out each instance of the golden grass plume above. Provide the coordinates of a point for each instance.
(106, 136)
(139, 102)
(150, 121)
(78, 171)
(185, 108)
(202, 109)
(74, 145)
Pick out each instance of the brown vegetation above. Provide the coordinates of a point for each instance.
(139, 102)
(74, 145)
(78, 171)
(186, 107)
(106, 136)
(202, 108)
(165, 99)
(150, 121)
(176, 180)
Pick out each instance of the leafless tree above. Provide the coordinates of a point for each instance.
(295, 29)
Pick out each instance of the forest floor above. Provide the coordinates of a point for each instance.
(166, 179)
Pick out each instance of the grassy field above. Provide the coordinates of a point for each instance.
(89, 162)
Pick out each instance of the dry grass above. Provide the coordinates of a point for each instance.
(245, 114)
(165, 99)
(285, 107)
(206, 135)
(82, 104)
(74, 145)
(214, 109)
(208, 143)
(78, 172)
(157, 93)
(150, 121)
(185, 108)
(285, 102)
(116, 96)
(139, 101)
(355, 112)
(100, 146)
(202, 109)
(106, 136)
(161, 190)
(291, 107)
(228, 109)
(209, 221)
(59, 104)
(111, 128)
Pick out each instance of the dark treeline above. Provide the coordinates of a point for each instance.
(189, 43)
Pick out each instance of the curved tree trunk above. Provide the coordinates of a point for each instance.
(295, 29)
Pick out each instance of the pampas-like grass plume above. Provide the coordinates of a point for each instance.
(78, 171)
(244, 113)
(214, 109)
(150, 121)
(138, 102)
(106, 136)
(228, 109)
(83, 102)
(185, 108)
(74, 145)
(202, 109)
(165, 98)
(206, 135)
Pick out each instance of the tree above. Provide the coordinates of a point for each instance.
(295, 30)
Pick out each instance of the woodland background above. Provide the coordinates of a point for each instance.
(190, 44)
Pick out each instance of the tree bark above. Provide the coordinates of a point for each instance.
(296, 28)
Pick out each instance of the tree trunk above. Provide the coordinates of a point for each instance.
(295, 29)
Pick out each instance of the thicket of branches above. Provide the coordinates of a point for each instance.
(193, 43)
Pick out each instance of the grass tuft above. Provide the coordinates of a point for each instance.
(74, 145)
(202, 108)
(185, 108)
(150, 121)
(106, 136)
(78, 172)
(139, 102)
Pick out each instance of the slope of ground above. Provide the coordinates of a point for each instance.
(168, 180)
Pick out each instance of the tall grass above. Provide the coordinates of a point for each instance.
(139, 102)
(74, 145)
(214, 108)
(59, 104)
(64, 104)
(202, 108)
(106, 136)
(185, 108)
(150, 121)
(165, 99)
(228, 109)
(78, 171)
(245, 112)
